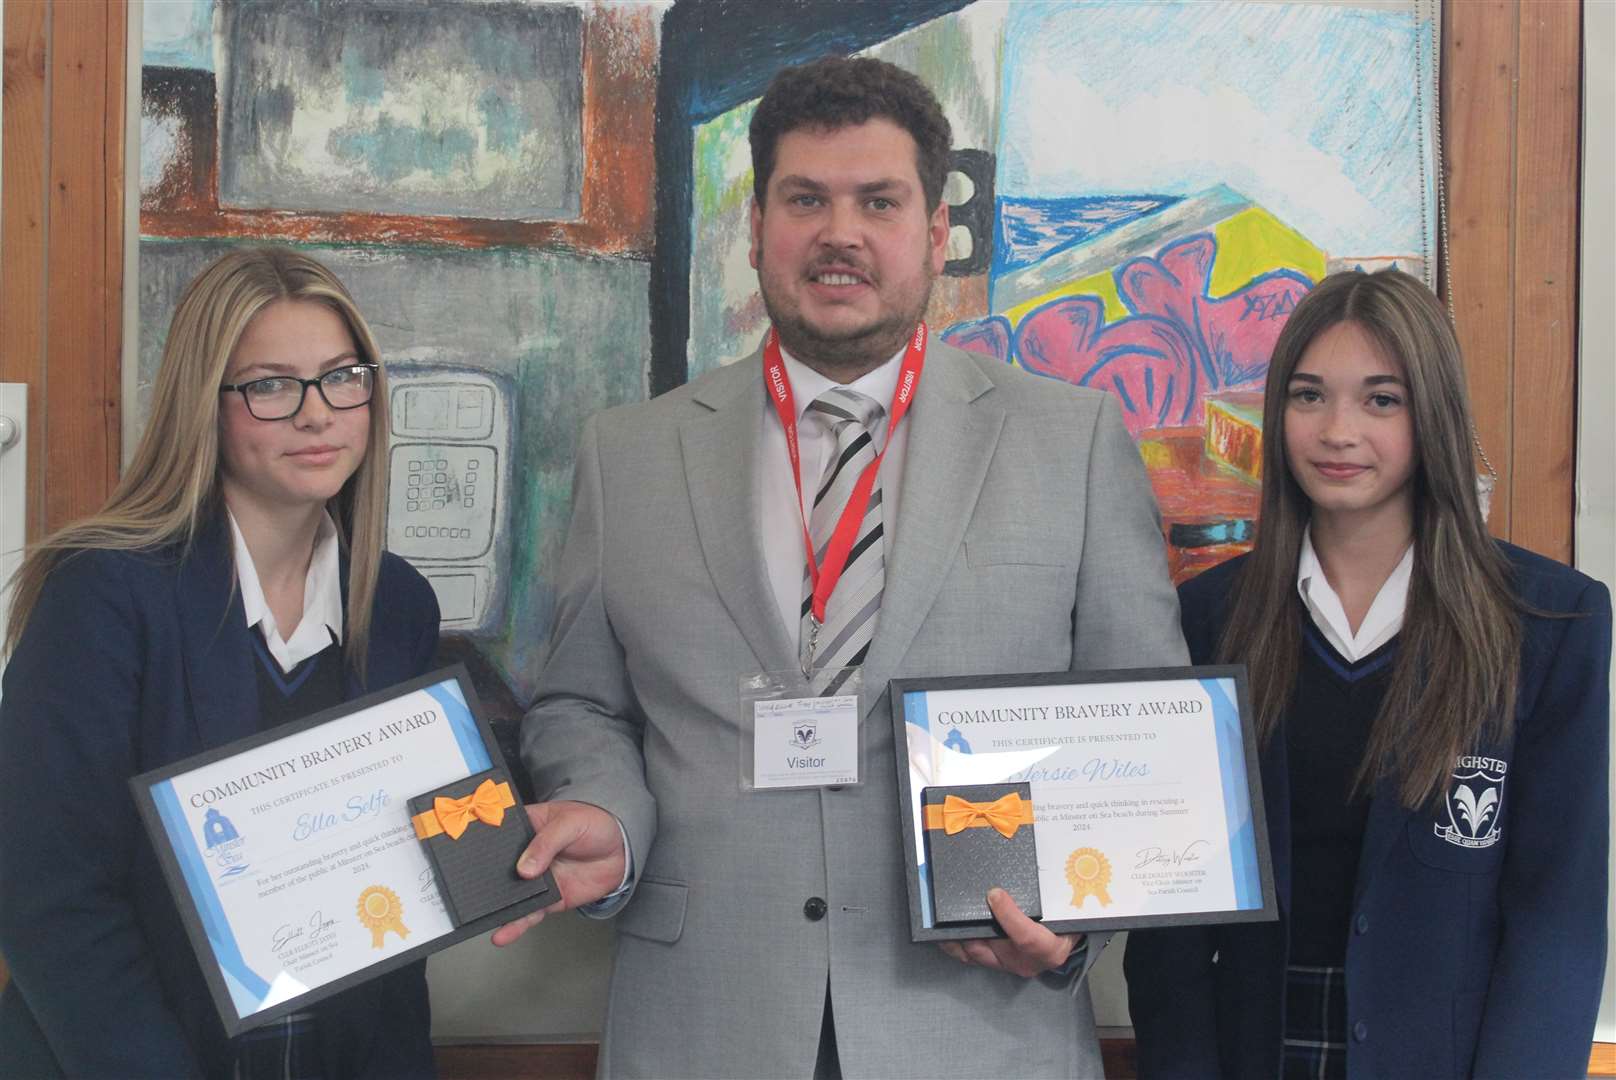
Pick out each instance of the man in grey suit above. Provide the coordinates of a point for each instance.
(1006, 526)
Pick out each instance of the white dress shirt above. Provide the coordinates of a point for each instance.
(784, 558)
(1380, 624)
(322, 598)
(781, 514)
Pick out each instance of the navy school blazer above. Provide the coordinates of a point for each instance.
(132, 660)
(1461, 961)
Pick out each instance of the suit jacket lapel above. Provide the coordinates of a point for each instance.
(721, 452)
(952, 435)
(218, 653)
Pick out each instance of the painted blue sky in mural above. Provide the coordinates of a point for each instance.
(1176, 98)
(177, 33)
(1028, 230)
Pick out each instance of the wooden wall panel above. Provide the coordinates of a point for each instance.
(23, 226)
(22, 229)
(61, 234)
(1478, 135)
(84, 269)
(1511, 110)
(1547, 171)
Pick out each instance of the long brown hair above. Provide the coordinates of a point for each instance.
(171, 487)
(1454, 680)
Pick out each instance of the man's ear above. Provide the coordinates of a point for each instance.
(937, 234)
(755, 252)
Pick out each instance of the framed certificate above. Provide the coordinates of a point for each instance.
(1099, 800)
(300, 865)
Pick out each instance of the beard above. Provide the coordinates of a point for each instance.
(844, 354)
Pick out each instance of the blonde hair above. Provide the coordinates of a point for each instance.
(171, 488)
(1455, 677)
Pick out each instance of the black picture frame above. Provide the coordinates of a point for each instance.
(141, 787)
(900, 689)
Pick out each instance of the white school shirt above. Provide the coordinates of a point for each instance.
(322, 598)
(781, 515)
(1380, 624)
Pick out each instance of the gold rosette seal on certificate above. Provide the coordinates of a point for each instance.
(379, 912)
(1088, 872)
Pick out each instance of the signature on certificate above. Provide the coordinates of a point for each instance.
(286, 934)
(1156, 856)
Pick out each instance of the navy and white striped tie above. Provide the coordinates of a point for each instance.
(850, 613)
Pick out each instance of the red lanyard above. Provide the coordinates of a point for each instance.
(825, 577)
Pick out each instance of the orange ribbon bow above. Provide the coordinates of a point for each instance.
(487, 804)
(1006, 814)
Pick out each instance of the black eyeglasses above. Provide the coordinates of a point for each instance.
(279, 397)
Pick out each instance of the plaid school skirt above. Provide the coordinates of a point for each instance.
(288, 1049)
(1315, 1023)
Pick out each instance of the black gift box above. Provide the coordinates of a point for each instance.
(476, 873)
(963, 867)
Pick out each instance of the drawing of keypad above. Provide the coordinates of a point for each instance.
(442, 500)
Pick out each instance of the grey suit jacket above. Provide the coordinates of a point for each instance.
(1027, 540)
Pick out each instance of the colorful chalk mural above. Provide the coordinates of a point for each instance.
(1167, 181)
(434, 110)
(542, 210)
(481, 178)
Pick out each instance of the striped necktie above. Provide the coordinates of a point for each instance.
(851, 611)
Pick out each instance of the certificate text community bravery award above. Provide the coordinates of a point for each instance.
(1135, 793)
(292, 854)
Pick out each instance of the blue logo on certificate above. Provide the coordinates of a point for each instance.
(223, 845)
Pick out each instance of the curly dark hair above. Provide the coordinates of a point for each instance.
(839, 91)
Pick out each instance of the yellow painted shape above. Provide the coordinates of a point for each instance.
(1157, 455)
(1234, 436)
(1255, 242)
(1239, 411)
(1250, 243)
(1102, 285)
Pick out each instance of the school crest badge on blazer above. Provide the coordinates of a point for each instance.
(1475, 803)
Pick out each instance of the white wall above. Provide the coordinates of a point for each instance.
(1596, 356)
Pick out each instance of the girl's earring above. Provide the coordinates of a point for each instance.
(1484, 484)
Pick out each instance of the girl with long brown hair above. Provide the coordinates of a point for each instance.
(1432, 708)
(234, 580)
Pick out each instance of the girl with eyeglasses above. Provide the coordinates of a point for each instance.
(1433, 711)
(235, 580)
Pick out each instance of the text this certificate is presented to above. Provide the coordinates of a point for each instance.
(296, 857)
(1099, 800)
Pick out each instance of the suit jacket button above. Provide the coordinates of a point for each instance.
(814, 908)
(1360, 1031)
(1362, 924)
